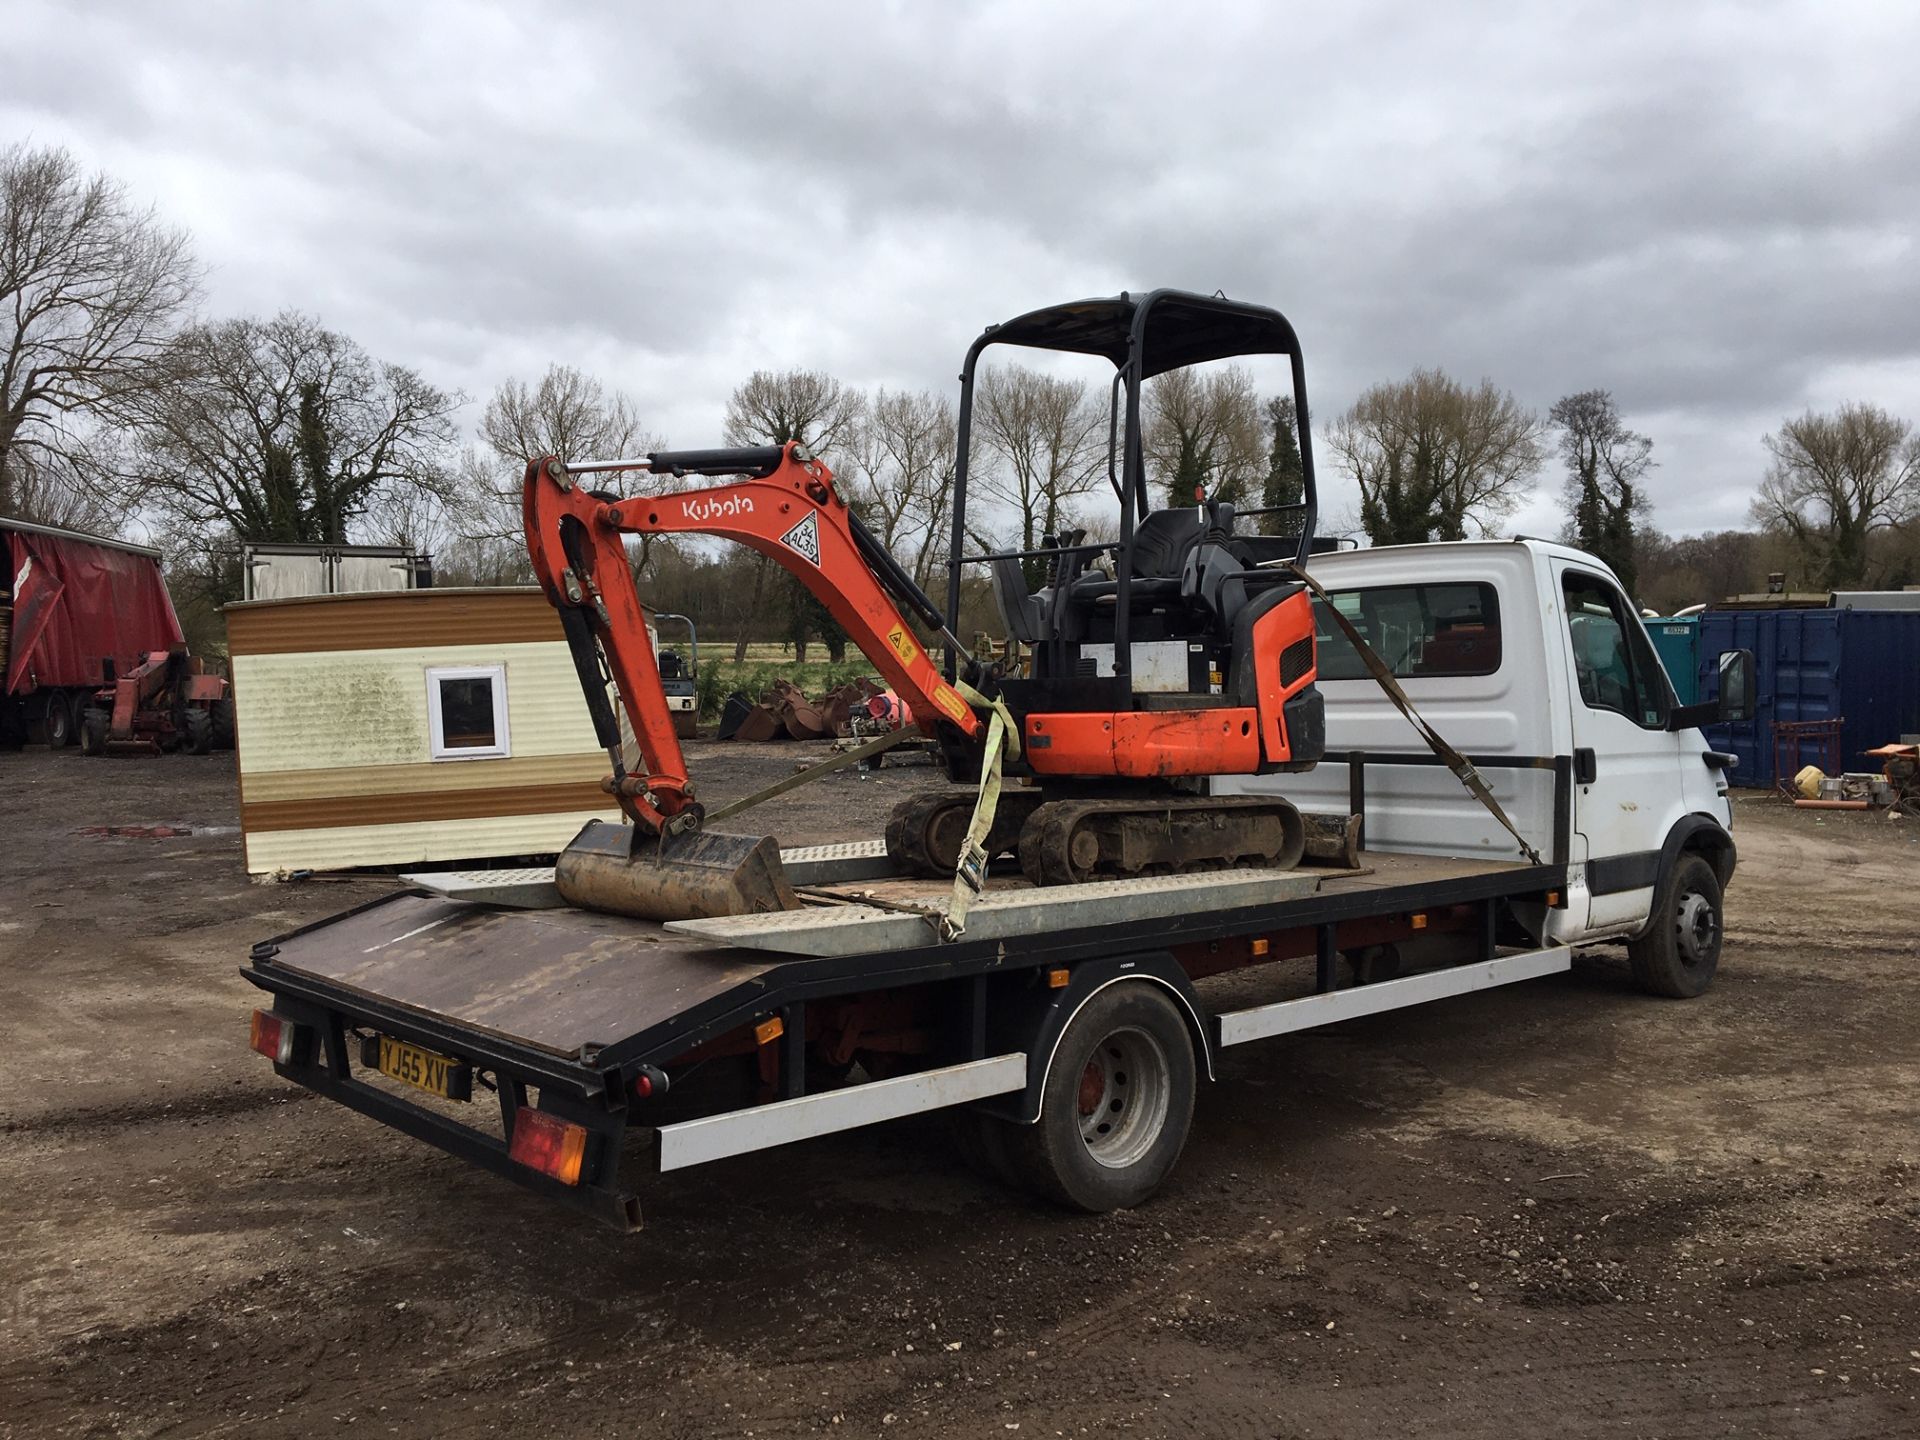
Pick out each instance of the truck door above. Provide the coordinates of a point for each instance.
(1626, 765)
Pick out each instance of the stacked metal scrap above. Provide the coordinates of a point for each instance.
(785, 713)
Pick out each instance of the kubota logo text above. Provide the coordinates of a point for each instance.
(705, 509)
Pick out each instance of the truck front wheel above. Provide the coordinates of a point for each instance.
(1117, 1103)
(1680, 950)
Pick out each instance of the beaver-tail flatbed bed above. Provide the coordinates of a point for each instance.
(851, 1011)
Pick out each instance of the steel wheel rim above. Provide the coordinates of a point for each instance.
(1125, 1092)
(1697, 928)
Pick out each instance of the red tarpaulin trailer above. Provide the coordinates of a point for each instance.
(76, 601)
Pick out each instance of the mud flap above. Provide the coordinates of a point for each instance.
(694, 876)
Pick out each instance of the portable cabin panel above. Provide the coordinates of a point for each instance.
(344, 847)
(359, 708)
(337, 745)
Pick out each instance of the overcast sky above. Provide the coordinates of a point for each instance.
(1708, 209)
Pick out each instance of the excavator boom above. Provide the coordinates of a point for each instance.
(785, 507)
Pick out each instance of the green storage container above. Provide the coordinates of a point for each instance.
(1678, 642)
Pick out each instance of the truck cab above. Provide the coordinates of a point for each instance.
(1529, 658)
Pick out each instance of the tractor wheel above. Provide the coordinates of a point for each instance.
(224, 727)
(94, 723)
(57, 720)
(199, 730)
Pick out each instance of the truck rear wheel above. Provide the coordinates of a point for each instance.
(980, 1140)
(1117, 1103)
(58, 719)
(1680, 951)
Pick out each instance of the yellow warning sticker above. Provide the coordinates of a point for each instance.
(903, 645)
(949, 700)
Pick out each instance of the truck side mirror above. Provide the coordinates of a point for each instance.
(1736, 685)
(1736, 696)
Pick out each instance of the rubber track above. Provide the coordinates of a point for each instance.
(1045, 843)
(913, 820)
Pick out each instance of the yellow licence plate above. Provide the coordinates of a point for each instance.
(436, 1074)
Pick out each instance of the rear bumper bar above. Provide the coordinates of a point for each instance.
(326, 1068)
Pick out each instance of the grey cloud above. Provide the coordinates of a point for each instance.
(1710, 211)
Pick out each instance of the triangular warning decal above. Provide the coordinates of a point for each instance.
(805, 538)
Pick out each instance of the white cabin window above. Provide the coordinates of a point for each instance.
(467, 712)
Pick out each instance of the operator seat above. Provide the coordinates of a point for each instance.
(1024, 615)
(1161, 542)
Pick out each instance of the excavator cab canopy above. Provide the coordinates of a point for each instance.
(1175, 329)
(1142, 336)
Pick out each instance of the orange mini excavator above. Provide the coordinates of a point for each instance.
(1183, 650)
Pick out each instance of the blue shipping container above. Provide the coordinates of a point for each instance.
(1862, 666)
(1677, 642)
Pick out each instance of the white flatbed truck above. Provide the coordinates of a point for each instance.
(1067, 1030)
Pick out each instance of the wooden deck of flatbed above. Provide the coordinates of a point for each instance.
(587, 990)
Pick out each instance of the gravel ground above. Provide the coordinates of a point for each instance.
(1561, 1208)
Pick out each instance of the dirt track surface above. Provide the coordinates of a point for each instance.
(1561, 1209)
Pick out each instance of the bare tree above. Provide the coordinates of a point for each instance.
(825, 415)
(284, 430)
(80, 485)
(907, 454)
(1837, 480)
(91, 289)
(1433, 457)
(1605, 463)
(1047, 435)
(805, 405)
(569, 414)
(1202, 431)
(1681, 570)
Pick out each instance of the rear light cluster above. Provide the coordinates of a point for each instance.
(543, 1142)
(274, 1036)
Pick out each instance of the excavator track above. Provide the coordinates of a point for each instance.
(1067, 842)
(924, 834)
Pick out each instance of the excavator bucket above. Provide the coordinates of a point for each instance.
(693, 876)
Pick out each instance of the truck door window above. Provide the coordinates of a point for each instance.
(1612, 658)
(1421, 631)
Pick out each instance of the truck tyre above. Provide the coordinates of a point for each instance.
(980, 1140)
(58, 720)
(199, 730)
(93, 730)
(1680, 950)
(1117, 1103)
(1372, 963)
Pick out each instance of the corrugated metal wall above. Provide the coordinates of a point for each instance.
(1862, 666)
